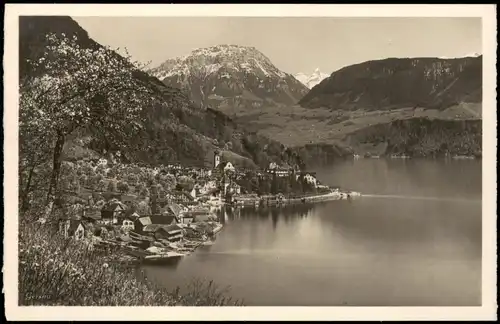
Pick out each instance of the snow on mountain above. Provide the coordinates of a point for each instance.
(211, 59)
(311, 80)
(229, 76)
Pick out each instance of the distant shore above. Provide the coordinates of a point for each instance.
(403, 156)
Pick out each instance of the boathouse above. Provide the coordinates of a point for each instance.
(140, 223)
(174, 233)
(163, 219)
(158, 231)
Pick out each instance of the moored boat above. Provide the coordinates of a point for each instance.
(163, 258)
(217, 229)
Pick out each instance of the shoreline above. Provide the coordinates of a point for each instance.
(409, 157)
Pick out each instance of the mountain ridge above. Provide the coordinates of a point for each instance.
(400, 82)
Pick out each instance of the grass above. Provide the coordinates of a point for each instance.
(54, 271)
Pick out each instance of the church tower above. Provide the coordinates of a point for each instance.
(216, 159)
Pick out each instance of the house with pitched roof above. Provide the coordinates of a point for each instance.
(174, 233)
(158, 231)
(73, 228)
(140, 223)
(111, 211)
(127, 219)
(163, 219)
(173, 209)
(181, 197)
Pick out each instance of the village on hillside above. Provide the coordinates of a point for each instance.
(158, 213)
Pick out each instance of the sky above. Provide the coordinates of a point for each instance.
(293, 44)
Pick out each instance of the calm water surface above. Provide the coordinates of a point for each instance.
(414, 240)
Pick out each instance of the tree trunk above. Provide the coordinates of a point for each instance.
(154, 204)
(24, 199)
(54, 179)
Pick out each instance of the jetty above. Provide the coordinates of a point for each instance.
(281, 199)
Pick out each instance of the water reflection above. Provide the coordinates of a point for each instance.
(286, 213)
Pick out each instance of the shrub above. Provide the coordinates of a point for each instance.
(123, 187)
(144, 193)
(112, 185)
(101, 185)
(132, 179)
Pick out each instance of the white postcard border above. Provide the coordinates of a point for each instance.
(10, 269)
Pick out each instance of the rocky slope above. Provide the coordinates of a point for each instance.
(175, 131)
(399, 83)
(228, 77)
(310, 81)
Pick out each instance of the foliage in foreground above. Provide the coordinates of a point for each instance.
(54, 271)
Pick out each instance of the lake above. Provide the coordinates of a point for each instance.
(413, 239)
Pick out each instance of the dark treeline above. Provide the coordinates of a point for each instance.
(273, 184)
(424, 137)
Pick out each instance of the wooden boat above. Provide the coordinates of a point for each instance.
(164, 258)
(217, 229)
(208, 243)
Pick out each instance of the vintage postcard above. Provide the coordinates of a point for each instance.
(250, 162)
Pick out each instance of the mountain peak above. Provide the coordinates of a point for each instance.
(230, 75)
(223, 49)
(311, 80)
(211, 59)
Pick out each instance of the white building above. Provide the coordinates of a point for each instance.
(208, 187)
(102, 161)
(272, 166)
(310, 179)
(232, 188)
(229, 167)
(128, 225)
(196, 191)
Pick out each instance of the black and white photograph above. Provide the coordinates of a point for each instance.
(243, 159)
